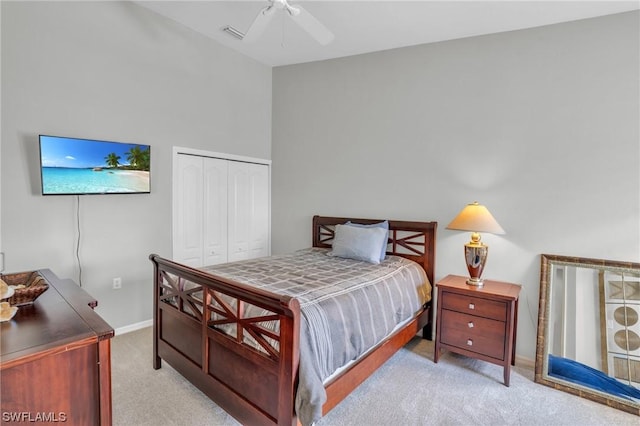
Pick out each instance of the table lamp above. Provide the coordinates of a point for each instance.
(475, 218)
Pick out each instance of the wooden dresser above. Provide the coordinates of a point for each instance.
(478, 322)
(55, 362)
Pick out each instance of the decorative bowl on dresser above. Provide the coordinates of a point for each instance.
(55, 361)
(27, 287)
(478, 321)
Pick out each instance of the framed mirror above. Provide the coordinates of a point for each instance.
(588, 341)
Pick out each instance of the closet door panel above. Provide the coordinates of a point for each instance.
(259, 210)
(221, 210)
(215, 211)
(187, 246)
(238, 211)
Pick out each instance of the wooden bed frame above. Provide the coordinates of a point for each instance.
(258, 386)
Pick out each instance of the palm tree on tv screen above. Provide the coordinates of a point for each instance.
(138, 159)
(145, 160)
(112, 160)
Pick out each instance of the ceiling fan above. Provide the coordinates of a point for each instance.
(298, 14)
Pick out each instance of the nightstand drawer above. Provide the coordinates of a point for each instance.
(472, 333)
(474, 306)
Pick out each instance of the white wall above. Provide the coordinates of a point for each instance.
(540, 125)
(114, 71)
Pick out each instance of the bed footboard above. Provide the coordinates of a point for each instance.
(251, 371)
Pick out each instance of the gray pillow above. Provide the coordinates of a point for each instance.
(358, 243)
(383, 225)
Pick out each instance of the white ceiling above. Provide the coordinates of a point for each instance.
(362, 26)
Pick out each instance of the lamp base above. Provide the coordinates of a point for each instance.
(475, 254)
(475, 281)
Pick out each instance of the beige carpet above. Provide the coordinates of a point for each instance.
(408, 390)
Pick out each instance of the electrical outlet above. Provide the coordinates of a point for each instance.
(117, 283)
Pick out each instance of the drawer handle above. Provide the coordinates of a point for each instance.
(470, 324)
(472, 306)
(469, 342)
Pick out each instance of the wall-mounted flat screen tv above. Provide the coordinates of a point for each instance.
(70, 166)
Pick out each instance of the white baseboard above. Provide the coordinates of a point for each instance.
(134, 327)
(525, 362)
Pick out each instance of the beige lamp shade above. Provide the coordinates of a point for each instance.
(475, 218)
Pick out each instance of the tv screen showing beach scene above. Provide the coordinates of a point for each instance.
(72, 166)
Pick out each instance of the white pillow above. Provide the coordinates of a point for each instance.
(358, 243)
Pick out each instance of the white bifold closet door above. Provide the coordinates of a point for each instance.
(221, 210)
(248, 220)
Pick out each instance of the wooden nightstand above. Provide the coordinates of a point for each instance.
(478, 322)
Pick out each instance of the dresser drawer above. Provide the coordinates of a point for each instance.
(474, 306)
(473, 333)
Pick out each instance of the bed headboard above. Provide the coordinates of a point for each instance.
(413, 240)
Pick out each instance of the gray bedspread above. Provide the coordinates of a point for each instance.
(347, 307)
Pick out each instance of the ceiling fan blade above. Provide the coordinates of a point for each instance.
(311, 25)
(259, 24)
